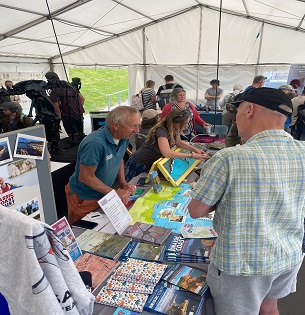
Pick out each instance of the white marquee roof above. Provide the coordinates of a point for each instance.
(175, 32)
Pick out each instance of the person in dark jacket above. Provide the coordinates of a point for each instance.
(12, 119)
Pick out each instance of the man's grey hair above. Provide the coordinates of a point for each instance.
(238, 87)
(259, 78)
(120, 114)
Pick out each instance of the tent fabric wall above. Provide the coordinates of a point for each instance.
(196, 79)
(155, 35)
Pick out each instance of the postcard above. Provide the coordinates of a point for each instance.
(29, 147)
(5, 151)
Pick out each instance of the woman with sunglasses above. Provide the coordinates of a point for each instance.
(160, 140)
(178, 101)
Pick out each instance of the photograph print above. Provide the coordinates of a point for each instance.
(5, 151)
(29, 147)
(30, 208)
(19, 187)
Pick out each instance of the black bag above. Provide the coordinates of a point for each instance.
(165, 95)
(229, 101)
(232, 108)
(299, 126)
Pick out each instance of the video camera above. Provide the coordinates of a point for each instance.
(44, 109)
(76, 82)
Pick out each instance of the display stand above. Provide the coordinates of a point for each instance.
(175, 170)
(44, 192)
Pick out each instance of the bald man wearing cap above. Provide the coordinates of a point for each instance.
(258, 193)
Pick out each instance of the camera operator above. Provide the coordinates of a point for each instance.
(67, 98)
(14, 98)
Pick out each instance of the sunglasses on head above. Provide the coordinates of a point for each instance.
(179, 116)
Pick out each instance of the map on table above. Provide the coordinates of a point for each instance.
(168, 208)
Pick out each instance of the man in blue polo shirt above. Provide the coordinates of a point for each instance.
(258, 193)
(100, 161)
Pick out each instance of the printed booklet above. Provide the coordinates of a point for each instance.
(165, 301)
(99, 267)
(145, 232)
(102, 244)
(190, 279)
(143, 251)
(65, 234)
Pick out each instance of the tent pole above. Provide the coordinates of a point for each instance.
(198, 56)
(144, 56)
(259, 48)
(218, 51)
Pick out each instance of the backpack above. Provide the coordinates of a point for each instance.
(229, 101)
(298, 128)
(232, 108)
(165, 95)
(136, 101)
(301, 112)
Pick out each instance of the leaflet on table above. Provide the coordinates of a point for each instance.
(117, 213)
(193, 231)
(65, 234)
(167, 209)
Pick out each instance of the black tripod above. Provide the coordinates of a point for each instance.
(45, 115)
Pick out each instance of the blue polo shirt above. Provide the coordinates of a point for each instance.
(99, 150)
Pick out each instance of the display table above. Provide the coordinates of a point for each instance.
(105, 226)
(209, 117)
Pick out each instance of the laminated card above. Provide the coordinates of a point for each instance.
(117, 213)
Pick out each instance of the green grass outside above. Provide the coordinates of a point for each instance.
(97, 83)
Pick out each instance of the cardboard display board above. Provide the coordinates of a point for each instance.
(25, 174)
(175, 170)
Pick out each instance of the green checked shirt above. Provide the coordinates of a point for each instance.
(259, 192)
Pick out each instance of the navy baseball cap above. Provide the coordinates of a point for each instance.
(273, 99)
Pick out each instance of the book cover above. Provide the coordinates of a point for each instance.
(170, 301)
(143, 251)
(129, 300)
(190, 279)
(177, 246)
(102, 244)
(124, 285)
(65, 234)
(149, 233)
(166, 284)
(140, 271)
(99, 267)
(186, 259)
(123, 311)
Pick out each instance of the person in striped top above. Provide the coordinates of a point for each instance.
(149, 98)
(258, 193)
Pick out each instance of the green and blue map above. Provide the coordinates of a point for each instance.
(168, 208)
